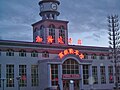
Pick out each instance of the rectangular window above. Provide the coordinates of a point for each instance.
(54, 74)
(23, 74)
(103, 76)
(9, 75)
(34, 75)
(94, 74)
(85, 74)
(110, 74)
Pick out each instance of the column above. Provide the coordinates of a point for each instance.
(91, 82)
(49, 76)
(60, 76)
(81, 76)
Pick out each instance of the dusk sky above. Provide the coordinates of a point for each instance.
(87, 19)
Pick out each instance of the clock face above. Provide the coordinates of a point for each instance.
(54, 6)
(41, 7)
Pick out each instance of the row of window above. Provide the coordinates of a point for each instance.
(22, 53)
(51, 32)
(10, 75)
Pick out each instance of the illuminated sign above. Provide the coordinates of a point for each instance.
(39, 39)
(70, 41)
(71, 76)
(79, 41)
(50, 39)
(60, 40)
(70, 51)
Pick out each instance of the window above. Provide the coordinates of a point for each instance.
(62, 33)
(110, 74)
(85, 74)
(34, 54)
(102, 56)
(10, 52)
(93, 56)
(85, 56)
(118, 73)
(9, 75)
(22, 53)
(0, 75)
(102, 72)
(35, 30)
(94, 74)
(52, 32)
(54, 74)
(45, 54)
(42, 32)
(109, 56)
(23, 74)
(34, 75)
(70, 66)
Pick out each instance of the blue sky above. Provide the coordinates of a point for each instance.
(87, 19)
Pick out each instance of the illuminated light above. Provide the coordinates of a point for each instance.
(60, 40)
(71, 51)
(50, 39)
(79, 41)
(111, 77)
(39, 39)
(61, 55)
(76, 52)
(70, 41)
(66, 52)
(81, 56)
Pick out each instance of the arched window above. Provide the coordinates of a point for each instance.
(102, 56)
(22, 53)
(34, 54)
(10, 52)
(70, 66)
(42, 31)
(62, 33)
(45, 54)
(93, 56)
(52, 32)
(85, 55)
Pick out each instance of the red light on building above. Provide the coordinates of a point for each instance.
(79, 41)
(111, 77)
(60, 40)
(81, 56)
(23, 77)
(70, 41)
(61, 55)
(50, 39)
(39, 39)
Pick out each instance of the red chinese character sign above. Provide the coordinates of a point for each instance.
(39, 39)
(50, 39)
(60, 40)
(71, 51)
(70, 41)
(79, 41)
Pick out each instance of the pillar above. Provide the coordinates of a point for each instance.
(60, 76)
(49, 76)
(81, 77)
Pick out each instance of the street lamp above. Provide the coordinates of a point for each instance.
(3, 79)
(114, 41)
(18, 79)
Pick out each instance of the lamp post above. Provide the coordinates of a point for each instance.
(114, 41)
(3, 79)
(18, 79)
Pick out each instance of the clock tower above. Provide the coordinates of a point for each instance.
(50, 30)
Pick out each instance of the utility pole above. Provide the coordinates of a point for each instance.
(114, 41)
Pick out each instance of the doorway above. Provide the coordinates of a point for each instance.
(66, 85)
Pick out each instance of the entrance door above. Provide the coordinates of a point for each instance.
(66, 85)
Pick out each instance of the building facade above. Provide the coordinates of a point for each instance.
(50, 62)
